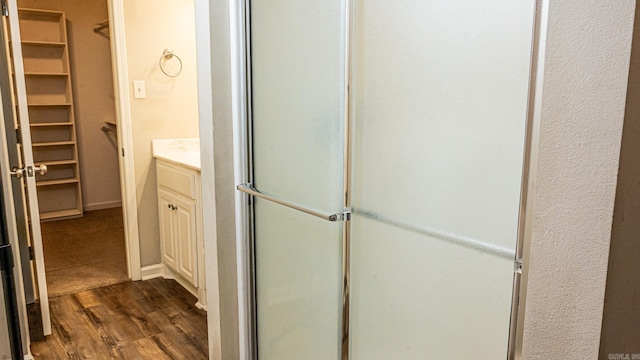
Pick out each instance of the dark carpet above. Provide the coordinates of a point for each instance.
(84, 253)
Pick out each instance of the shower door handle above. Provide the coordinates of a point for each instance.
(341, 216)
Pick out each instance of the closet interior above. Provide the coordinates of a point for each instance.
(66, 53)
(45, 51)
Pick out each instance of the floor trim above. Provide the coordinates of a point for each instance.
(103, 205)
(152, 271)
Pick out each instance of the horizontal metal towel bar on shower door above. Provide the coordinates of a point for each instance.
(247, 188)
(449, 237)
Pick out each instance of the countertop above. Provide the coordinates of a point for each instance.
(185, 152)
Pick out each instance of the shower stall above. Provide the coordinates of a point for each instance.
(385, 145)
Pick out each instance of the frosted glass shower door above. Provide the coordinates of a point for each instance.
(440, 96)
(297, 81)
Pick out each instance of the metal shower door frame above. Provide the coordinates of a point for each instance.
(243, 164)
(245, 184)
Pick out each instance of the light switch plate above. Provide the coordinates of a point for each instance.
(139, 89)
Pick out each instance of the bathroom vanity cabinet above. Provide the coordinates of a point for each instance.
(180, 220)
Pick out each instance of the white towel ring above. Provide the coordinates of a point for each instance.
(166, 55)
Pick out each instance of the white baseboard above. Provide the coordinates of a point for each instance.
(28, 357)
(103, 205)
(201, 306)
(152, 271)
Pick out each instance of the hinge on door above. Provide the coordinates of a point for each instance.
(32, 254)
(122, 151)
(18, 136)
(5, 8)
(517, 266)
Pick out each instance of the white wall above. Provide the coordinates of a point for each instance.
(170, 109)
(582, 111)
(224, 181)
(205, 107)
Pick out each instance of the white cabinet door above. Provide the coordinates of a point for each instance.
(186, 239)
(167, 229)
(178, 234)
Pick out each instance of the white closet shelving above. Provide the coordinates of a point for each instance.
(45, 54)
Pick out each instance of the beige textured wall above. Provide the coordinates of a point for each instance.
(621, 319)
(170, 109)
(582, 105)
(93, 97)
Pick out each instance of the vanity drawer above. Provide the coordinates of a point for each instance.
(177, 180)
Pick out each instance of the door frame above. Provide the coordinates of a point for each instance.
(238, 24)
(529, 173)
(125, 138)
(240, 93)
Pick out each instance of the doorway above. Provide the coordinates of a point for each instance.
(69, 86)
(386, 151)
(55, 59)
(161, 96)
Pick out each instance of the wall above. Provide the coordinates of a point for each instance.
(170, 109)
(621, 319)
(224, 178)
(582, 110)
(205, 109)
(92, 84)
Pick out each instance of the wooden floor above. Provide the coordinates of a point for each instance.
(153, 319)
